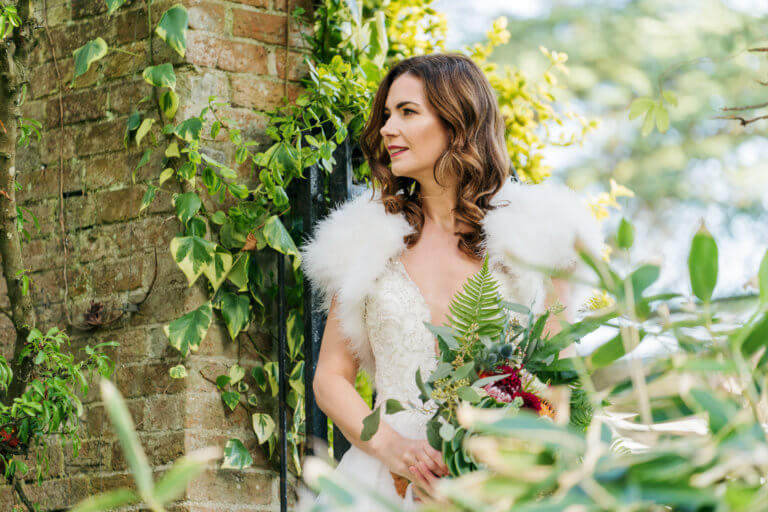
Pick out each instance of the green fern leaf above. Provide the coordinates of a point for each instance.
(477, 308)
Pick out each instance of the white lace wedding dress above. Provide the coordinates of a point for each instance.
(395, 312)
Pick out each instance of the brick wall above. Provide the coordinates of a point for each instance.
(236, 51)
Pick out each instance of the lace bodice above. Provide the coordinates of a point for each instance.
(395, 312)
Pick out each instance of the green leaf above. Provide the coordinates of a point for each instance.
(186, 333)
(144, 128)
(219, 218)
(169, 103)
(625, 235)
(86, 55)
(469, 394)
(165, 175)
(608, 352)
(263, 426)
(236, 373)
(216, 271)
(178, 372)
(371, 425)
(447, 431)
(129, 441)
(662, 118)
(720, 411)
(648, 122)
(762, 279)
(670, 98)
(161, 75)
(192, 254)
(173, 28)
(279, 239)
(231, 399)
(702, 264)
(463, 371)
(113, 5)
(189, 129)
(222, 381)
(149, 196)
(236, 455)
(108, 500)
(239, 273)
(640, 106)
(392, 406)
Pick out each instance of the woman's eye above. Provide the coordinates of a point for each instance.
(406, 110)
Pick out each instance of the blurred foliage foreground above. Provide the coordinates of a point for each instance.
(683, 430)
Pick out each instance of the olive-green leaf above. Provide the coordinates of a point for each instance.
(161, 75)
(169, 103)
(469, 394)
(370, 425)
(648, 122)
(236, 455)
(113, 5)
(86, 55)
(231, 399)
(178, 371)
(670, 98)
(149, 196)
(189, 129)
(129, 441)
(702, 264)
(216, 271)
(192, 254)
(235, 310)
(186, 333)
(173, 28)
(144, 128)
(392, 406)
(625, 235)
(662, 118)
(279, 239)
(239, 273)
(187, 205)
(263, 426)
(165, 175)
(640, 106)
(762, 279)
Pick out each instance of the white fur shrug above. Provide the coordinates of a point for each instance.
(351, 246)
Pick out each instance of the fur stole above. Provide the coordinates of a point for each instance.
(536, 224)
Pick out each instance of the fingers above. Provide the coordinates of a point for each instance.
(419, 477)
(438, 467)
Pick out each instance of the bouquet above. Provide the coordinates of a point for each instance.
(490, 360)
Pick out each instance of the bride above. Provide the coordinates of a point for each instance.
(384, 265)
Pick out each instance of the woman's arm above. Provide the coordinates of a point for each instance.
(335, 393)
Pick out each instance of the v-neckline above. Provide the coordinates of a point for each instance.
(423, 301)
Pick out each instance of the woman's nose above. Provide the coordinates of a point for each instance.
(388, 129)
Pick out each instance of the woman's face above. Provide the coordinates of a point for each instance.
(412, 133)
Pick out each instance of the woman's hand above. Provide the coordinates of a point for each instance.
(414, 459)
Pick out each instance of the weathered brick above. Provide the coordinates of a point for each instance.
(87, 105)
(282, 5)
(268, 28)
(227, 487)
(44, 183)
(253, 3)
(58, 493)
(148, 379)
(241, 57)
(197, 439)
(206, 15)
(102, 137)
(119, 64)
(119, 205)
(166, 412)
(91, 456)
(257, 92)
(39, 253)
(207, 411)
(124, 96)
(160, 448)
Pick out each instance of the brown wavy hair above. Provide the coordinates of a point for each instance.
(476, 154)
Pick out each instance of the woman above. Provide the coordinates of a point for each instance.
(386, 265)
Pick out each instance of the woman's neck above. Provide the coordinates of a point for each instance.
(438, 203)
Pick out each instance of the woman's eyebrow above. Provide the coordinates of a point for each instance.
(404, 103)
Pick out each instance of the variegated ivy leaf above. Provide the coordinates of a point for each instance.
(173, 28)
(236, 373)
(113, 5)
(263, 426)
(169, 103)
(239, 273)
(189, 129)
(216, 271)
(143, 130)
(279, 239)
(161, 75)
(86, 55)
(236, 455)
(296, 379)
(235, 310)
(192, 254)
(149, 196)
(178, 372)
(186, 333)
